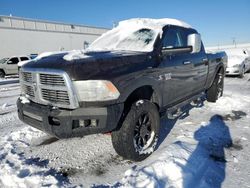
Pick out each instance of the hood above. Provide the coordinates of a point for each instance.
(94, 65)
(235, 60)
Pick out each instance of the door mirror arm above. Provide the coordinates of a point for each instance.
(176, 50)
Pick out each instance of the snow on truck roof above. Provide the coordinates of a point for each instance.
(153, 23)
(137, 34)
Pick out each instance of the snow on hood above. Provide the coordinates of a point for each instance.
(138, 34)
(40, 56)
(46, 54)
(75, 54)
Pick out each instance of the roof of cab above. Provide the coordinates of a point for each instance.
(156, 24)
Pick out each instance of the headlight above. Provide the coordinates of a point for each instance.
(95, 90)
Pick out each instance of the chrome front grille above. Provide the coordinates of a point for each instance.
(27, 76)
(28, 90)
(50, 79)
(56, 96)
(48, 88)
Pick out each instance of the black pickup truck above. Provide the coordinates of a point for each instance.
(122, 84)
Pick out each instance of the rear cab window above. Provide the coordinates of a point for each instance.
(24, 58)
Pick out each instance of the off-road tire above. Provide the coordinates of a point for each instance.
(216, 90)
(124, 139)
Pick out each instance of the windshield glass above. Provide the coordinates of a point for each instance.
(125, 39)
(234, 57)
(3, 60)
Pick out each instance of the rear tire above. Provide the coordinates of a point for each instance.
(2, 74)
(138, 135)
(216, 90)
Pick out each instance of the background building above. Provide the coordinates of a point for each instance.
(21, 36)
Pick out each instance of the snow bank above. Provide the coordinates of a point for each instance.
(18, 171)
(185, 164)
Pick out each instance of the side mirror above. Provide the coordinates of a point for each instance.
(194, 40)
(9, 62)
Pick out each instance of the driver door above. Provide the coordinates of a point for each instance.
(11, 66)
(179, 67)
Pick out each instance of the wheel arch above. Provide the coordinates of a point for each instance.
(2, 70)
(144, 87)
(219, 68)
(146, 92)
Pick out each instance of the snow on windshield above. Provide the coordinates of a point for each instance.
(126, 39)
(138, 34)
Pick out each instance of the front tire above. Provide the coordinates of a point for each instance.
(216, 90)
(138, 135)
(2, 74)
(242, 74)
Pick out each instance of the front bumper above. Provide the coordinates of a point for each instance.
(233, 70)
(64, 123)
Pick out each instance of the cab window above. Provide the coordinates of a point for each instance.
(13, 60)
(24, 58)
(173, 38)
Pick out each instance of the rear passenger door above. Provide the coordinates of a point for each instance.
(199, 63)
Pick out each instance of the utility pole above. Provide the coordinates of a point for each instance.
(114, 24)
(234, 41)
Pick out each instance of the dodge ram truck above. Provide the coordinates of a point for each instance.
(127, 79)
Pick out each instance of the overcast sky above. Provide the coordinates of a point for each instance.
(219, 21)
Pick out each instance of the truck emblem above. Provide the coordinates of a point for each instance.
(167, 76)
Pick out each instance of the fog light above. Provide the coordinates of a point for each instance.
(93, 122)
(84, 123)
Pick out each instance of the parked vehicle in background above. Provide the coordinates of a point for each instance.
(123, 83)
(36, 57)
(33, 56)
(9, 66)
(238, 62)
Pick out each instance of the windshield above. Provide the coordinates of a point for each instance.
(235, 57)
(3, 60)
(125, 39)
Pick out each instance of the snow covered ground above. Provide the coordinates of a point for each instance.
(208, 146)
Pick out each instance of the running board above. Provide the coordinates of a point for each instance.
(175, 111)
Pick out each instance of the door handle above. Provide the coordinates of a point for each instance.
(205, 61)
(186, 62)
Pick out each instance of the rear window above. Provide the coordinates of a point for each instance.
(24, 58)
